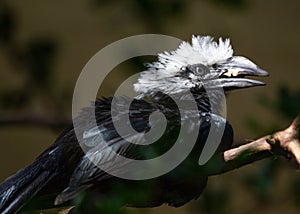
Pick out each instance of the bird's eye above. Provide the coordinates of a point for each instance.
(198, 69)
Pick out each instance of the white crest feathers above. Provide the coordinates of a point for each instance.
(161, 75)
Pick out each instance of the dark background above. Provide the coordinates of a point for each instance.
(45, 44)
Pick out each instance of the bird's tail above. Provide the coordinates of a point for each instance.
(37, 185)
(21, 187)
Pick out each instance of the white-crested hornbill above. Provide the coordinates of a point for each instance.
(63, 171)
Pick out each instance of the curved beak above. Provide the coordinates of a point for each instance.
(233, 71)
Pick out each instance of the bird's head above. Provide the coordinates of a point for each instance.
(202, 64)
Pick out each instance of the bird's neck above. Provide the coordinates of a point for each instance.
(212, 101)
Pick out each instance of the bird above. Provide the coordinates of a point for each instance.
(65, 170)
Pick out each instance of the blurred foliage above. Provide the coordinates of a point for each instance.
(295, 189)
(152, 13)
(37, 56)
(285, 105)
(261, 182)
(14, 98)
(169, 7)
(213, 201)
(7, 23)
(34, 61)
(155, 13)
(238, 4)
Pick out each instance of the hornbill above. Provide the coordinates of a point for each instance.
(63, 170)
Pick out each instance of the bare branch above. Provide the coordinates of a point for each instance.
(283, 143)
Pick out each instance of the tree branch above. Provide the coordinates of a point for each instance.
(283, 143)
